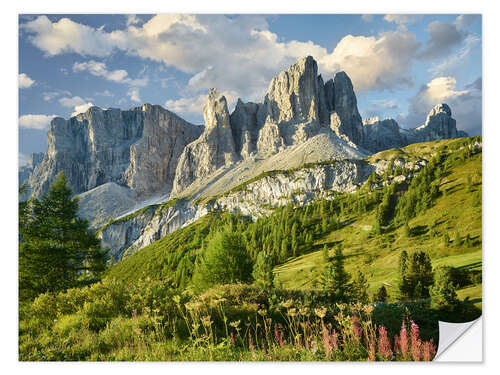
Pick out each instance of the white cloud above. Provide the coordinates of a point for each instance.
(187, 105)
(466, 104)
(38, 122)
(132, 19)
(374, 63)
(25, 81)
(81, 108)
(66, 35)
(235, 54)
(71, 102)
(51, 95)
(99, 69)
(133, 94)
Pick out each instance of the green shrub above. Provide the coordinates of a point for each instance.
(67, 323)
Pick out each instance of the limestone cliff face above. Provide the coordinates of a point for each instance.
(293, 95)
(256, 200)
(213, 149)
(438, 125)
(137, 148)
(385, 134)
(382, 134)
(344, 109)
(245, 127)
(26, 170)
(154, 157)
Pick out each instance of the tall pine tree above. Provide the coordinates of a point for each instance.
(57, 250)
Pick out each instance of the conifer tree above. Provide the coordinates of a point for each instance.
(381, 295)
(359, 290)
(57, 250)
(336, 280)
(263, 270)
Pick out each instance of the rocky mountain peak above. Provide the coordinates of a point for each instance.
(215, 111)
(440, 108)
(345, 119)
(214, 149)
(292, 96)
(439, 124)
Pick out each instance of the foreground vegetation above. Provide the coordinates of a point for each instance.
(151, 321)
(363, 276)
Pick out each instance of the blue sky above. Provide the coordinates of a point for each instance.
(400, 65)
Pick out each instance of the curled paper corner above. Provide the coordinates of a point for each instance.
(464, 339)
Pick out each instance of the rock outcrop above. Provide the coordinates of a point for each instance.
(25, 171)
(382, 134)
(438, 125)
(344, 115)
(213, 149)
(385, 134)
(119, 161)
(138, 148)
(245, 128)
(258, 198)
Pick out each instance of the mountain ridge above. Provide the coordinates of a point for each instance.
(149, 154)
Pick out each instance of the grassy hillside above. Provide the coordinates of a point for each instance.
(456, 210)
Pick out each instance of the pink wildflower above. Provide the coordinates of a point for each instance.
(397, 345)
(384, 345)
(429, 350)
(403, 341)
(416, 343)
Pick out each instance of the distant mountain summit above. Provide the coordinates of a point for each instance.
(149, 152)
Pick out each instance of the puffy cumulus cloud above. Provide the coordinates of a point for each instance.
(38, 122)
(78, 104)
(235, 54)
(134, 95)
(466, 104)
(71, 102)
(99, 69)
(190, 43)
(81, 108)
(49, 96)
(375, 63)
(187, 105)
(132, 19)
(66, 35)
(25, 81)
